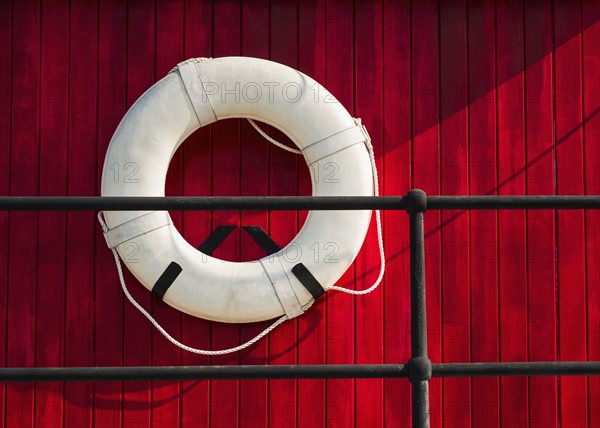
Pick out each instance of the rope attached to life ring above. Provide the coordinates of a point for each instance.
(369, 145)
(281, 320)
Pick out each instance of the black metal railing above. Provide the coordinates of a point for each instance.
(419, 368)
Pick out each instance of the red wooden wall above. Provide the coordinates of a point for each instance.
(459, 98)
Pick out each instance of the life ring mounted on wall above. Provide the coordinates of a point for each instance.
(198, 92)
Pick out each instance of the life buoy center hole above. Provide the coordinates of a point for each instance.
(230, 158)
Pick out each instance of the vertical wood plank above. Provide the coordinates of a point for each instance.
(79, 337)
(512, 228)
(6, 24)
(112, 102)
(53, 169)
(369, 309)
(340, 307)
(427, 171)
(169, 51)
(23, 233)
(197, 181)
(397, 179)
(254, 170)
(282, 224)
(455, 230)
(541, 255)
(137, 332)
(312, 326)
(226, 163)
(483, 169)
(426, 158)
(591, 136)
(570, 227)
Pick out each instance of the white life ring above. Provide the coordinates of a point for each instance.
(196, 93)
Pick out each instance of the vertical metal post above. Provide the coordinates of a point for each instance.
(419, 366)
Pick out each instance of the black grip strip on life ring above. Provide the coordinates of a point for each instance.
(308, 280)
(263, 240)
(215, 239)
(166, 279)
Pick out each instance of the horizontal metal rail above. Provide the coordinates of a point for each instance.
(68, 374)
(114, 203)
(546, 368)
(530, 202)
(110, 203)
(331, 371)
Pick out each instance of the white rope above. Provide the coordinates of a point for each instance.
(283, 318)
(377, 221)
(273, 141)
(164, 332)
